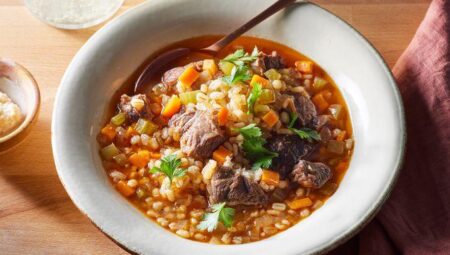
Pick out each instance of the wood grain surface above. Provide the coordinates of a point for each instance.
(36, 215)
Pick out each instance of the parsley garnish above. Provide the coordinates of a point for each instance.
(254, 95)
(238, 73)
(170, 167)
(219, 213)
(254, 149)
(304, 133)
(240, 57)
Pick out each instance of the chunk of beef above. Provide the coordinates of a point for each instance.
(265, 62)
(170, 77)
(306, 111)
(290, 149)
(311, 175)
(200, 133)
(325, 135)
(291, 76)
(133, 113)
(235, 189)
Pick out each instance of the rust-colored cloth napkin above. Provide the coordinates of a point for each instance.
(416, 217)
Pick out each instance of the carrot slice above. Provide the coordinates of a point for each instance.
(123, 188)
(270, 177)
(189, 76)
(299, 203)
(221, 154)
(271, 118)
(320, 102)
(258, 79)
(222, 116)
(140, 159)
(172, 106)
(109, 131)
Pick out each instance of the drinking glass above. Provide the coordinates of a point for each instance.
(73, 14)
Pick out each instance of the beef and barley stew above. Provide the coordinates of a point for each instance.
(231, 150)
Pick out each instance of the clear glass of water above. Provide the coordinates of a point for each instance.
(73, 14)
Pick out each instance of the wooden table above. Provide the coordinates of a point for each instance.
(36, 215)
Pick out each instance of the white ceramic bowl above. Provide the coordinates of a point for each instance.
(115, 51)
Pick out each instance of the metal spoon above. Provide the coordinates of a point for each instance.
(162, 60)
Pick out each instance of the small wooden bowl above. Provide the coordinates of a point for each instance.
(22, 88)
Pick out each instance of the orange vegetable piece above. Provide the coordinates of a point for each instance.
(304, 66)
(222, 116)
(258, 79)
(155, 155)
(172, 106)
(109, 131)
(341, 136)
(342, 166)
(271, 118)
(270, 177)
(299, 203)
(131, 132)
(221, 154)
(320, 102)
(123, 188)
(140, 159)
(189, 76)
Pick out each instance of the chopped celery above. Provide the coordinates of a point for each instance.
(335, 110)
(226, 67)
(272, 74)
(189, 97)
(144, 126)
(267, 96)
(335, 146)
(118, 119)
(109, 151)
(121, 159)
(319, 83)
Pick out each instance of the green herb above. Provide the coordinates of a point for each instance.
(240, 57)
(170, 167)
(304, 133)
(253, 146)
(238, 73)
(219, 213)
(254, 95)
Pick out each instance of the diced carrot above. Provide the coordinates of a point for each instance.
(299, 203)
(270, 177)
(109, 131)
(123, 188)
(341, 166)
(210, 66)
(304, 66)
(221, 154)
(258, 79)
(341, 136)
(172, 106)
(189, 76)
(222, 116)
(320, 102)
(271, 118)
(140, 159)
(131, 132)
(155, 155)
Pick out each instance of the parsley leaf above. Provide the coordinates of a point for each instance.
(238, 73)
(240, 57)
(304, 133)
(254, 95)
(253, 146)
(219, 213)
(170, 167)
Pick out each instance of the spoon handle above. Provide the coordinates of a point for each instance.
(274, 8)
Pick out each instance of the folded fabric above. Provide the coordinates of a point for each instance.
(416, 217)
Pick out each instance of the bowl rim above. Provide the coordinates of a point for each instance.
(30, 116)
(359, 223)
